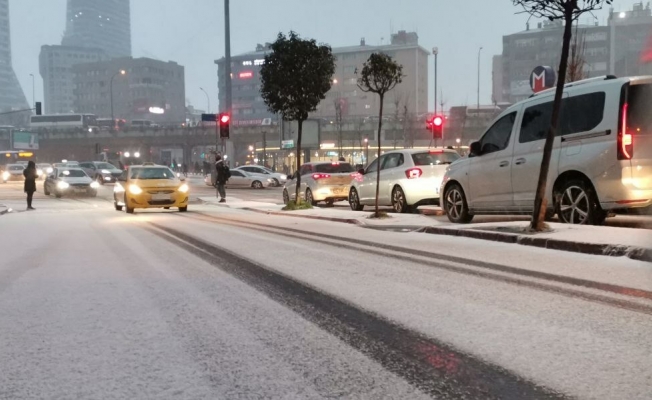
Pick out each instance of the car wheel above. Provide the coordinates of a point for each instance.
(354, 200)
(46, 191)
(57, 195)
(257, 185)
(117, 207)
(579, 205)
(276, 182)
(183, 209)
(309, 198)
(128, 209)
(399, 203)
(166, 208)
(286, 197)
(455, 205)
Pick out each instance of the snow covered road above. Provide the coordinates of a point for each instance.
(220, 303)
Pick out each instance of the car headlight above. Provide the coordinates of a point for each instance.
(49, 170)
(39, 172)
(284, 177)
(134, 189)
(183, 188)
(5, 175)
(63, 185)
(95, 185)
(105, 171)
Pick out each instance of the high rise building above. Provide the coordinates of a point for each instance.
(101, 24)
(614, 48)
(250, 109)
(11, 94)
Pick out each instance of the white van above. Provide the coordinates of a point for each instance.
(601, 159)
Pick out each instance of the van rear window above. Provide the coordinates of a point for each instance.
(639, 107)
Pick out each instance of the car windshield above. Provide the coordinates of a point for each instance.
(434, 158)
(72, 173)
(16, 168)
(43, 165)
(334, 168)
(152, 173)
(105, 166)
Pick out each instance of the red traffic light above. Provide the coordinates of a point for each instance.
(225, 118)
(438, 121)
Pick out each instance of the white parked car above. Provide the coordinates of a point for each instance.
(242, 179)
(408, 179)
(601, 158)
(321, 181)
(279, 179)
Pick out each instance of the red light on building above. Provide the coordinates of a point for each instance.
(246, 75)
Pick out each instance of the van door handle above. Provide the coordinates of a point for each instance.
(503, 163)
(520, 161)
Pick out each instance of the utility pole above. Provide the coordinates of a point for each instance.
(435, 52)
(33, 91)
(479, 50)
(227, 63)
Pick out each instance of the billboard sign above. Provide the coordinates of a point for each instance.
(25, 140)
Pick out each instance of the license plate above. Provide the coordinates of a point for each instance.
(79, 190)
(156, 197)
(339, 191)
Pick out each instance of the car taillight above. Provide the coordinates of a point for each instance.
(320, 176)
(625, 139)
(413, 173)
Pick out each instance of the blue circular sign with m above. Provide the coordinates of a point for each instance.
(542, 78)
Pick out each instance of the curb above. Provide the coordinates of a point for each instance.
(633, 252)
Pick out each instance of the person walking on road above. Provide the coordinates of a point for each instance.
(223, 175)
(184, 169)
(30, 183)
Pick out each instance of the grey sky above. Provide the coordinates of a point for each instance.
(191, 32)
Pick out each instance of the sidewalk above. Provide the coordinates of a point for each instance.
(597, 240)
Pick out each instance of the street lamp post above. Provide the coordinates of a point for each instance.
(435, 52)
(33, 96)
(208, 101)
(479, 50)
(366, 151)
(121, 72)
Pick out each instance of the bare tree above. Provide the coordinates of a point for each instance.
(577, 62)
(568, 11)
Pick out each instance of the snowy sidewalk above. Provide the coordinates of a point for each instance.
(597, 240)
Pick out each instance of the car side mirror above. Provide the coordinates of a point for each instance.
(122, 179)
(475, 149)
(361, 171)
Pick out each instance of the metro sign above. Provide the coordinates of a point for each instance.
(542, 78)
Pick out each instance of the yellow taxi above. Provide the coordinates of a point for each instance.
(150, 186)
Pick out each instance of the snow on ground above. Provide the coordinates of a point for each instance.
(585, 349)
(93, 306)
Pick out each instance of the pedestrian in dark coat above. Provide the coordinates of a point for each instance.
(223, 175)
(30, 183)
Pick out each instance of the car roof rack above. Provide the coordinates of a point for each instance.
(578, 83)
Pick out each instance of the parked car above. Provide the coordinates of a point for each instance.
(150, 186)
(244, 179)
(601, 158)
(102, 172)
(408, 179)
(13, 172)
(278, 178)
(69, 181)
(321, 181)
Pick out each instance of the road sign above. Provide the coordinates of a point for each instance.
(209, 117)
(287, 144)
(266, 122)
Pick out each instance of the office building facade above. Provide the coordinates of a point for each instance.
(100, 24)
(150, 90)
(612, 49)
(12, 96)
(248, 107)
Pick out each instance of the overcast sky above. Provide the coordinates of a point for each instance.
(191, 32)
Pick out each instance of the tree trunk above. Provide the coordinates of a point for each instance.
(380, 126)
(297, 192)
(537, 217)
